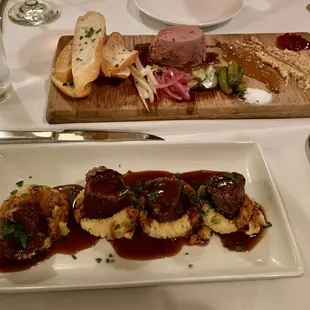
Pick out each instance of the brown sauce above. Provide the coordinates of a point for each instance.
(293, 42)
(253, 66)
(77, 240)
(142, 247)
(241, 242)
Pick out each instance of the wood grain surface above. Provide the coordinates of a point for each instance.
(118, 101)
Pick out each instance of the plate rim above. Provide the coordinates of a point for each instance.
(297, 270)
(214, 22)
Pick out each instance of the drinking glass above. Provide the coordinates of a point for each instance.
(33, 12)
(5, 78)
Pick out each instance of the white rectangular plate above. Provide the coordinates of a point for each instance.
(54, 164)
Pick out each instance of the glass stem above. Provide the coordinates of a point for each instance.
(31, 2)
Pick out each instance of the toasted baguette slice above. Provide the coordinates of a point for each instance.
(116, 57)
(89, 37)
(63, 65)
(71, 91)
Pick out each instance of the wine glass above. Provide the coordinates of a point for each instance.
(33, 12)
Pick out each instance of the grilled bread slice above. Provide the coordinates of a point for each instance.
(116, 57)
(89, 37)
(63, 65)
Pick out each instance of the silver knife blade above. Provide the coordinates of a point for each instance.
(7, 136)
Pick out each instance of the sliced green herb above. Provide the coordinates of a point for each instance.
(14, 192)
(73, 256)
(118, 226)
(231, 176)
(107, 260)
(116, 66)
(269, 224)
(177, 175)
(98, 260)
(81, 37)
(14, 231)
(215, 220)
(148, 183)
(98, 30)
(186, 253)
(81, 49)
(30, 177)
(129, 171)
(123, 192)
(89, 32)
(64, 84)
(202, 212)
(193, 199)
(110, 255)
(36, 188)
(23, 194)
(239, 248)
(71, 84)
(20, 183)
(191, 266)
(153, 196)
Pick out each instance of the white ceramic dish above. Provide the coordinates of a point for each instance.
(54, 164)
(201, 13)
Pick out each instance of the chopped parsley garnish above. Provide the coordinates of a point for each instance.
(86, 42)
(14, 231)
(177, 175)
(269, 224)
(36, 188)
(193, 199)
(24, 194)
(71, 84)
(107, 260)
(73, 256)
(215, 220)
(148, 183)
(116, 66)
(64, 84)
(98, 260)
(153, 196)
(202, 212)
(191, 266)
(30, 177)
(239, 248)
(129, 171)
(110, 255)
(98, 30)
(20, 183)
(118, 226)
(186, 253)
(78, 59)
(231, 176)
(81, 37)
(81, 49)
(93, 40)
(123, 192)
(89, 32)
(14, 192)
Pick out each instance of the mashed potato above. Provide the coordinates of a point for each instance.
(249, 216)
(121, 225)
(54, 207)
(168, 230)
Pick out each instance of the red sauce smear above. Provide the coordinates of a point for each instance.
(293, 42)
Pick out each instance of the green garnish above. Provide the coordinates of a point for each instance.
(98, 260)
(116, 66)
(123, 192)
(14, 231)
(153, 196)
(177, 175)
(110, 255)
(107, 260)
(64, 84)
(73, 256)
(186, 253)
(215, 220)
(202, 212)
(239, 248)
(36, 188)
(230, 176)
(81, 37)
(89, 32)
(20, 183)
(118, 226)
(14, 192)
(269, 224)
(30, 177)
(71, 84)
(78, 59)
(23, 194)
(98, 30)
(148, 183)
(129, 171)
(193, 199)
(191, 266)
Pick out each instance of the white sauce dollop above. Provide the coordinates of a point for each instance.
(257, 96)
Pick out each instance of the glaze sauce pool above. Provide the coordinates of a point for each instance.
(77, 240)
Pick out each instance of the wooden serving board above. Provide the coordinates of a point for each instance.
(113, 101)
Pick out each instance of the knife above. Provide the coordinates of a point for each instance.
(73, 136)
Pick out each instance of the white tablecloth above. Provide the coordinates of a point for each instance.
(30, 51)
